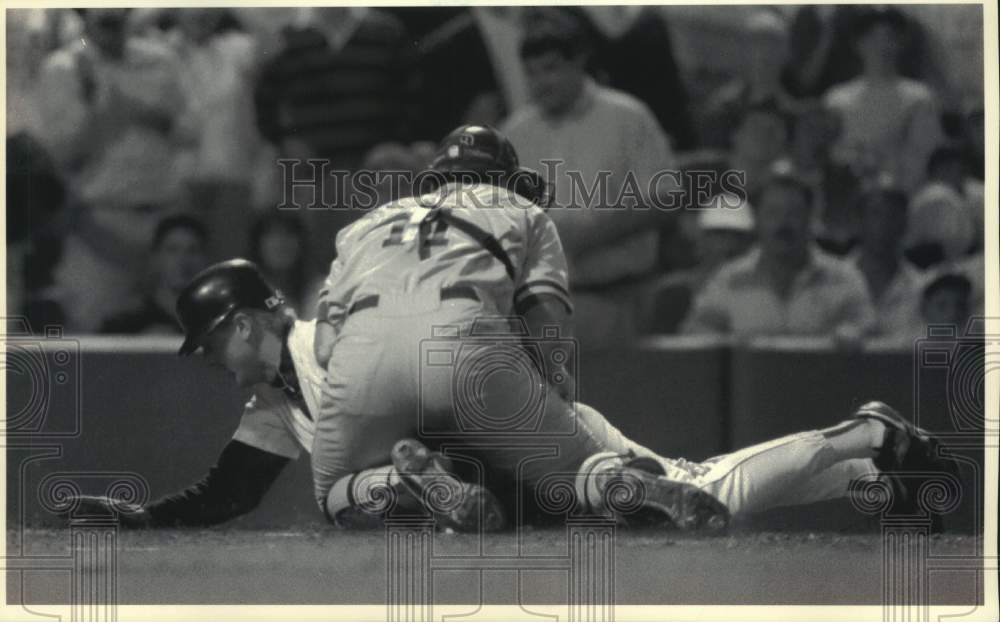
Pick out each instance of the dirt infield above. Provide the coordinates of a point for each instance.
(220, 566)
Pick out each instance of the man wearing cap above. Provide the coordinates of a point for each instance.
(724, 230)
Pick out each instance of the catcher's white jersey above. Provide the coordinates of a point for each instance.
(478, 236)
(525, 260)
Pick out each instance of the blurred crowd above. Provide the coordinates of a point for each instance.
(143, 144)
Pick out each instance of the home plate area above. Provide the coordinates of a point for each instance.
(322, 566)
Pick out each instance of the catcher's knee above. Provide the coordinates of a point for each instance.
(360, 500)
(590, 489)
(337, 500)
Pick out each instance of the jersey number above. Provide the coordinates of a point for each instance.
(430, 234)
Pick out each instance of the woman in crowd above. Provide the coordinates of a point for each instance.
(279, 246)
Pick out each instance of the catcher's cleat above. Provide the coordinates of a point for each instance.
(908, 456)
(429, 477)
(655, 499)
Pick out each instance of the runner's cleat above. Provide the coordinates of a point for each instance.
(909, 457)
(680, 505)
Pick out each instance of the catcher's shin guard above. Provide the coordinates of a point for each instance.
(428, 477)
(634, 491)
(363, 500)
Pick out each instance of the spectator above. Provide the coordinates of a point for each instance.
(974, 138)
(834, 185)
(278, 245)
(27, 45)
(635, 54)
(108, 104)
(35, 191)
(820, 50)
(601, 137)
(725, 231)
(481, 45)
(946, 300)
(815, 130)
(393, 161)
(784, 285)
(946, 215)
(822, 55)
(267, 26)
(760, 85)
(761, 138)
(839, 229)
(890, 123)
(35, 197)
(177, 255)
(156, 23)
(973, 268)
(423, 151)
(220, 63)
(940, 228)
(337, 87)
(421, 21)
(948, 166)
(632, 52)
(894, 285)
(43, 300)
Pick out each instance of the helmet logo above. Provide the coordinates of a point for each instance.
(466, 139)
(273, 301)
(454, 151)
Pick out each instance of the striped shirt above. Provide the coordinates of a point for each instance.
(339, 101)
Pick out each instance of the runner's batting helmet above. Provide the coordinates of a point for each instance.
(216, 293)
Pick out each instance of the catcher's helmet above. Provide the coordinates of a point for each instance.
(475, 149)
(216, 293)
(479, 150)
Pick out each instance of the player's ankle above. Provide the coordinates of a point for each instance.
(878, 435)
(856, 438)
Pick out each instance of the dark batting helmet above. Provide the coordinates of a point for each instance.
(475, 149)
(479, 150)
(216, 293)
